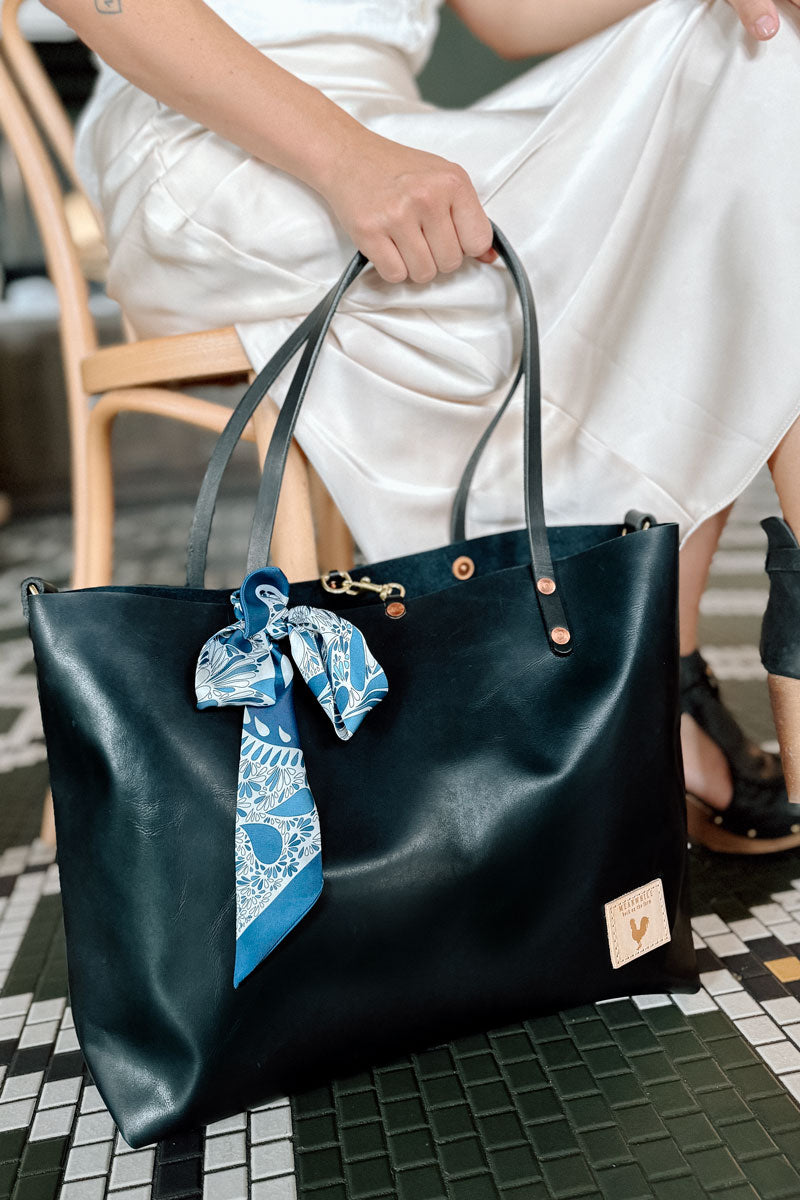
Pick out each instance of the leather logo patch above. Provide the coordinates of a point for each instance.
(637, 923)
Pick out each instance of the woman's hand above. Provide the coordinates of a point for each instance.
(411, 213)
(759, 17)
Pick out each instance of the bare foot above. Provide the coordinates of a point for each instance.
(706, 768)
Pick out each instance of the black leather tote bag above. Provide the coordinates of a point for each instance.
(504, 837)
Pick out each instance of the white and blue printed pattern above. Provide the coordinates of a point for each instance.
(278, 857)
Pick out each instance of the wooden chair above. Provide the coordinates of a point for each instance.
(139, 376)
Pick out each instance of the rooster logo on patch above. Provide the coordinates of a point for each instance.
(638, 932)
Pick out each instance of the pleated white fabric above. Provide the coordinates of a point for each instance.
(648, 177)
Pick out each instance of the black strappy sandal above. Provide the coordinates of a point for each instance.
(759, 818)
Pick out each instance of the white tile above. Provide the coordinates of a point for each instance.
(11, 1027)
(67, 1021)
(697, 941)
(274, 1189)
(134, 1193)
(699, 1002)
(284, 1102)
(226, 1185)
(759, 1030)
(770, 914)
(789, 900)
(788, 932)
(66, 1040)
(792, 1082)
(784, 1010)
(271, 1158)
(270, 1123)
(227, 1125)
(16, 1114)
(793, 1031)
(83, 1189)
(60, 1091)
(226, 1150)
(709, 925)
(94, 1127)
(122, 1147)
(656, 1000)
(749, 929)
(717, 982)
(20, 1087)
(129, 1169)
(91, 1100)
(88, 1160)
(51, 1010)
(726, 944)
(739, 1004)
(51, 1122)
(781, 1056)
(39, 1035)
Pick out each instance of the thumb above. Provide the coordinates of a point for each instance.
(759, 17)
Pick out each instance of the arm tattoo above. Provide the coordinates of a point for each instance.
(108, 6)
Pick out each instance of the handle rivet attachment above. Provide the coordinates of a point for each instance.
(395, 610)
(560, 635)
(463, 567)
(546, 585)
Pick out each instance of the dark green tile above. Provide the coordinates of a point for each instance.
(512, 1046)
(331, 1191)
(789, 1144)
(394, 1085)
(529, 1191)
(37, 1187)
(8, 1173)
(605, 1147)
(747, 1137)
(514, 1165)
(669, 1099)
(682, 1044)
(360, 1106)
(621, 1089)
(711, 1025)
(640, 1121)
(489, 1097)
(362, 1141)
(453, 1121)
(714, 1168)
(462, 1157)
(11, 1143)
(442, 1089)
(411, 1149)
(471, 1045)
(500, 1129)
(420, 1183)
(777, 1113)
(683, 1188)
(400, 1115)
(47, 1155)
(655, 1067)
(659, 1157)
(605, 1060)
(732, 1052)
(544, 1029)
(773, 1178)
(692, 1132)
(701, 1074)
(369, 1177)
(568, 1176)
(723, 1104)
(313, 1102)
(525, 1074)
(572, 1081)
(355, 1083)
(45, 924)
(624, 1183)
(480, 1068)
(316, 1131)
(552, 1137)
(633, 1039)
(589, 1112)
(579, 1014)
(434, 1062)
(539, 1105)
(589, 1034)
(319, 1167)
(619, 1013)
(560, 1053)
(479, 1187)
(743, 1192)
(666, 1018)
(754, 1082)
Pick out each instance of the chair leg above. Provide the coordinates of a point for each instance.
(293, 544)
(334, 540)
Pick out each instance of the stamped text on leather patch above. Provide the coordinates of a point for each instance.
(636, 923)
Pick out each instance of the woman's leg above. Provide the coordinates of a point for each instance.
(705, 765)
(785, 690)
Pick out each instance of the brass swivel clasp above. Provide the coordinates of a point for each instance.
(342, 581)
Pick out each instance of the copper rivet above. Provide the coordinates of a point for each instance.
(463, 567)
(546, 585)
(751, 833)
(560, 635)
(718, 819)
(796, 829)
(395, 609)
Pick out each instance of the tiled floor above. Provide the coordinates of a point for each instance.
(658, 1097)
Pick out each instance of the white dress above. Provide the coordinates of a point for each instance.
(647, 176)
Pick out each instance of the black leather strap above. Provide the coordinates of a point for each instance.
(547, 593)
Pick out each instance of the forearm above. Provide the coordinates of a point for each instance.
(187, 57)
(519, 28)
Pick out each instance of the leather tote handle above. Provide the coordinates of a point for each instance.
(312, 333)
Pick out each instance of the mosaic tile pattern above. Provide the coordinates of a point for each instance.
(662, 1097)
